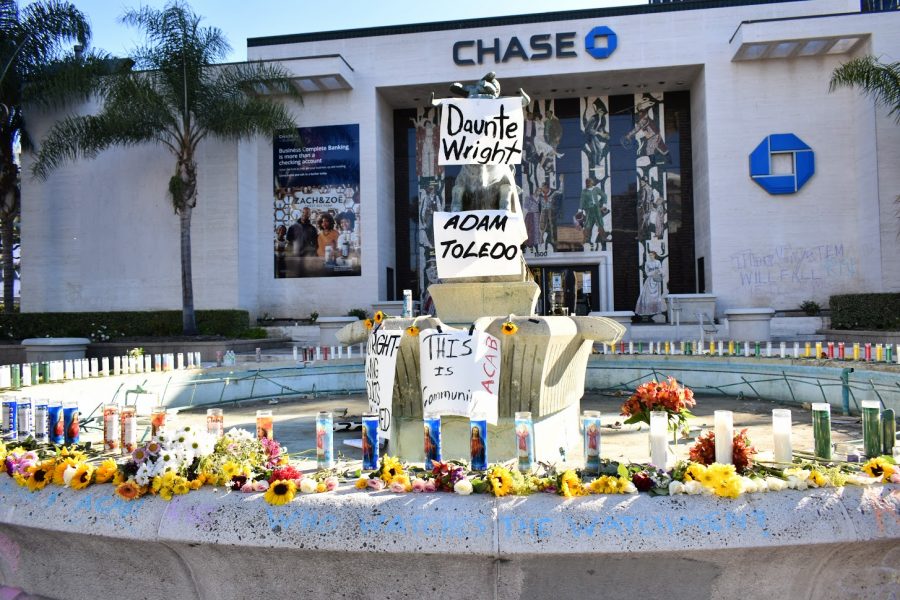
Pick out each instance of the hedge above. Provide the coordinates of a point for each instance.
(865, 311)
(107, 326)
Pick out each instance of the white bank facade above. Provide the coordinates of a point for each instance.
(669, 149)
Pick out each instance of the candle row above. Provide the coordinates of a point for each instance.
(311, 353)
(47, 421)
(23, 375)
(868, 352)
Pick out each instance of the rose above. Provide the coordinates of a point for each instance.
(642, 481)
(247, 487)
(261, 486)
(430, 486)
(418, 485)
(376, 484)
(308, 485)
(463, 487)
(331, 483)
(397, 487)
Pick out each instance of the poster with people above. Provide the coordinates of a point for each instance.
(316, 202)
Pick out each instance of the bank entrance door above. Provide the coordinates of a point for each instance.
(567, 290)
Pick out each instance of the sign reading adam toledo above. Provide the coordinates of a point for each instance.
(481, 131)
(478, 242)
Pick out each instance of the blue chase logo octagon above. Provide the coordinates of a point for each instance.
(601, 41)
(803, 161)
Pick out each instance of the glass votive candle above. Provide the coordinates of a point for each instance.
(111, 435)
(871, 422)
(781, 435)
(821, 418)
(659, 444)
(215, 422)
(324, 440)
(264, 426)
(432, 426)
(524, 441)
(590, 420)
(157, 420)
(370, 441)
(478, 442)
(128, 427)
(724, 424)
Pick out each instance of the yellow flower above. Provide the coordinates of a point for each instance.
(723, 480)
(230, 469)
(879, 468)
(82, 477)
(181, 487)
(166, 494)
(118, 478)
(509, 328)
(695, 472)
(20, 479)
(106, 471)
(379, 317)
(2, 451)
(40, 475)
(60, 469)
(368, 323)
(156, 485)
(569, 485)
(362, 483)
(280, 492)
(197, 483)
(412, 330)
(500, 481)
(128, 490)
(817, 479)
(599, 485)
(320, 487)
(391, 467)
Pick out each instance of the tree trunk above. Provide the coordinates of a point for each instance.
(188, 319)
(7, 235)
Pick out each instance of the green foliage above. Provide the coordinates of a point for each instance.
(880, 81)
(810, 307)
(254, 333)
(359, 313)
(865, 311)
(228, 323)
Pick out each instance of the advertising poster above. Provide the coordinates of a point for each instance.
(316, 202)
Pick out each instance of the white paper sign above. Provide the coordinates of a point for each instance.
(478, 242)
(381, 365)
(481, 131)
(586, 283)
(460, 373)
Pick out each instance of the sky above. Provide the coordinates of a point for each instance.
(242, 19)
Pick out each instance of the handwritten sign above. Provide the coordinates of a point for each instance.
(478, 242)
(381, 365)
(481, 131)
(460, 373)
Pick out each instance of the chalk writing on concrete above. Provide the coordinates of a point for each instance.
(790, 265)
(302, 519)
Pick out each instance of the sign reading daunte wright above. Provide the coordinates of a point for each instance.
(481, 131)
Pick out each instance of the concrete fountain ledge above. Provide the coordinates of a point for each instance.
(828, 543)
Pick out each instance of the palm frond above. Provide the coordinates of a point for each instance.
(47, 27)
(879, 80)
(70, 79)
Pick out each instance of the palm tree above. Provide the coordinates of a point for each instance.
(879, 80)
(178, 99)
(39, 66)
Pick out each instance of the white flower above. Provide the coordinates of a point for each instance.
(693, 488)
(308, 485)
(463, 487)
(675, 488)
(68, 474)
(775, 484)
(144, 474)
(748, 485)
(630, 488)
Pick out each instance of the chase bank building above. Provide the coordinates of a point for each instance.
(671, 148)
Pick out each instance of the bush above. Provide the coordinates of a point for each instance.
(810, 307)
(254, 333)
(359, 313)
(865, 311)
(112, 325)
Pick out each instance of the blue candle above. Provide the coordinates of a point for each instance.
(324, 440)
(432, 440)
(370, 441)
(478, 442)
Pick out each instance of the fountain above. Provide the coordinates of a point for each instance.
(542, 366)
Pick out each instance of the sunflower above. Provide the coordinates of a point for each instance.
(40, 475)
(106, 471)
(281, 491)
(412, 330)
(59, 470)
(82, 476)
(599, 485)
(509, 328)
(379, 317)
(500, 480)
(879, 468)
(128, 490)
(368, 323)
(391, 467)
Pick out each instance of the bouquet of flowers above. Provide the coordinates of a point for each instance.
(665, 396)
(704, 450)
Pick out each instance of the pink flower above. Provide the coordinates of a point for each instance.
(247, 487)
(397, 487)
(261, 486)
(375, 484)
(895, 477)
(298, 480)
(430, 486)
(331, 483)
(418, 485)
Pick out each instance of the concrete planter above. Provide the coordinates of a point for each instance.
(750, 324)
(622, 317)
(328, 328)
(690, 306)
(50, 349)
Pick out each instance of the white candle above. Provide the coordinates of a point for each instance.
(117, 365)
(724, 436)
(650, 349)
(104, 366)
(682, 347)
(671, 347)
(77, 370)
(604, 348)
(318, 352)
(148, 364)
(746, 349)
(95, 368)
(796, 349)
(349, 351)
(295, 353)
(782, 350)
(781, 435)
(69, 369)
(26, 374)
(5, 377)
(719, 347)
(769, 349)
(630, 347)
(180, 360)
(659, 427)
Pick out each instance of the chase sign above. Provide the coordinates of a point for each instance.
(600, 42)
(802, 160)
